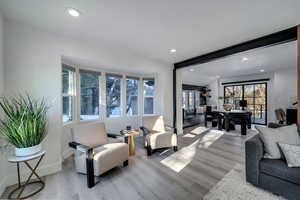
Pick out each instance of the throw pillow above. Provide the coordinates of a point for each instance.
(271, 137)
(291, 154)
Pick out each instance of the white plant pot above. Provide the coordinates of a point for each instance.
(28, 150)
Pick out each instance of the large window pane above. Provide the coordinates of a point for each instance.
(113, 96)
(67, 109)
(254, 94)
(191, 100)
(89, 96)
(132, 96)
(149, 96)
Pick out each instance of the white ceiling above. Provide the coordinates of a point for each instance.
(270, 59)
(150, 28)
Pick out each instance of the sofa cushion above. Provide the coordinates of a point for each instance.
(271, 137)
(291, 154)
(278, 168)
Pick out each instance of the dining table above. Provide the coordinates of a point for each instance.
(241, 117)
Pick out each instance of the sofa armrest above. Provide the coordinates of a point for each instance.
(275, 125)
(80, 147)
(89, 152)
(117, 136)
(254, 153)
(145, 130)
(169, 128)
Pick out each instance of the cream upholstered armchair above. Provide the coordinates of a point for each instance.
(157, 135)
(94, 154)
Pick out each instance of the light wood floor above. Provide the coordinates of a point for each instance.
(204, 157)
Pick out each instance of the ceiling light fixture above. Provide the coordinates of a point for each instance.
(73, 12)
(262, 70)
(191, 70)
(245, 59)
(218, 76)
(172, 50)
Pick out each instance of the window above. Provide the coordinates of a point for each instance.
(68, 93)
(89, 95)
(256, 96)
(148, 96)
(113, 95)
(197, 99)
(132, 96)
(191, 100)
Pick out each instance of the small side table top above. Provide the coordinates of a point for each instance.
(131, 132)
(14, 159)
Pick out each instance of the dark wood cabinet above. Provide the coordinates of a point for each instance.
(291, 116)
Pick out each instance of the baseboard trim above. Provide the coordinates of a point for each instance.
(42, 171)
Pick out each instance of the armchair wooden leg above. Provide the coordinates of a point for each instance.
(149, 151)
(125, 163)
(90, 172)
(175, 148)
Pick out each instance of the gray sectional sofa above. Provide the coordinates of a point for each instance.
(272, 175)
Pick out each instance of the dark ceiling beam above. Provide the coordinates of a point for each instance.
(268, 40)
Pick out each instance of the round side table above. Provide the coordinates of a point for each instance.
(21, 187)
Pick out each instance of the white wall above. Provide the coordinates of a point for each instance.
(3, 161)
(214, 87)
(33, 64)
(285, 88)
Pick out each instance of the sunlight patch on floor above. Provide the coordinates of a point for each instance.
(180, 159)
(188, 135)
(199, 130)
(210, 138)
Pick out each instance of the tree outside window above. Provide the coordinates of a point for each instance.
(89, 95)
(113, 95)
(132, 96)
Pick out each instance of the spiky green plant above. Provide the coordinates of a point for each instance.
(25, 120)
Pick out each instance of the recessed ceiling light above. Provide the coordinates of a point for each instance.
(218, 76)
(245, 59)
(73, 12)
(191, 70)
(172, 50)
(262, 70)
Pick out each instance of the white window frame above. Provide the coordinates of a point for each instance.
(144, 96)
(71, 94)
(76, 96)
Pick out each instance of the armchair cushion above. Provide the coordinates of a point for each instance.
(106, 157)
(90, 134)
(161, 140)
(154, 123)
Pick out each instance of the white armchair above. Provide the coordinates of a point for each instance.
(94, 154)
(157, 135)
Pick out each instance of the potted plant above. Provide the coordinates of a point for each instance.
(24, 124)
